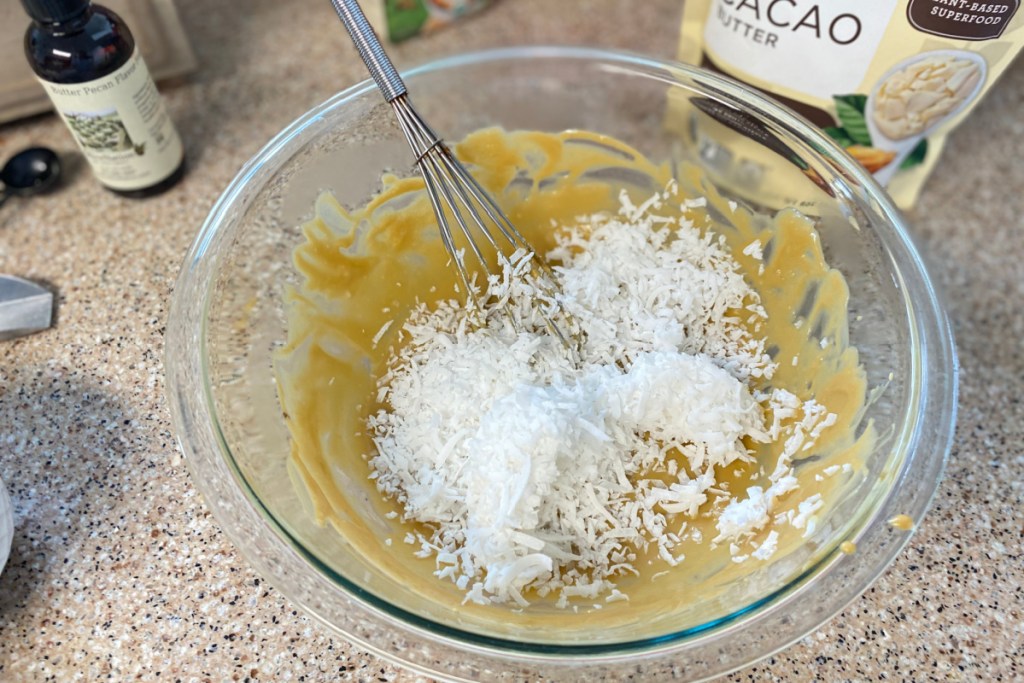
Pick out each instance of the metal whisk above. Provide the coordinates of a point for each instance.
(449, 185)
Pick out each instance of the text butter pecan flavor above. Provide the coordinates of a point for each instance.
(886, 79)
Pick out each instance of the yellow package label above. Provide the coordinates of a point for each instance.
(886, 79)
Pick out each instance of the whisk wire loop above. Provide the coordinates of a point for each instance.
(454, 192)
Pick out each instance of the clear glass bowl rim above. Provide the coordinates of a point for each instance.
(228, 495)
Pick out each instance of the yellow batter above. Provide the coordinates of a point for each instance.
(365, 268)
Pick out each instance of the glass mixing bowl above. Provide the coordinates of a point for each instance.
(227, 318)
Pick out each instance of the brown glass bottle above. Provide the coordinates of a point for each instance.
(85, 52)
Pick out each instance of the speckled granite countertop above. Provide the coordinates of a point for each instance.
(118, 571)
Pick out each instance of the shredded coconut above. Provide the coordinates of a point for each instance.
(534, 472)
(381, 332)
(768, 546)
(754, 250)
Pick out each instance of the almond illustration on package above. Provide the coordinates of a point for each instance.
(923, 93)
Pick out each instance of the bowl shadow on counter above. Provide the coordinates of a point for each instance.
(64, 470)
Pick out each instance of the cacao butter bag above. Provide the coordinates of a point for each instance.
(886, 79)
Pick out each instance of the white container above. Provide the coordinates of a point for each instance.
(6, 525)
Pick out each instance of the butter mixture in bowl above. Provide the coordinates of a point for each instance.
(764, 376)
(705, 425)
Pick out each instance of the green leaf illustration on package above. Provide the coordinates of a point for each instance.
(850, 110)
(855, 136)
(840, 135)
(405, 18)
(916, 156)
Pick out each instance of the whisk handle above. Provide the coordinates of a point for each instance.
(370, 49)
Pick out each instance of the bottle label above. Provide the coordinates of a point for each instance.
(121, 126)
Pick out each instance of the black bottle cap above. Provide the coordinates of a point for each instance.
(54, 11)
